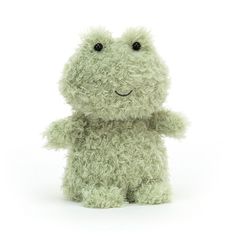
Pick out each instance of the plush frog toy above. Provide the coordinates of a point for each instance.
(114, 136)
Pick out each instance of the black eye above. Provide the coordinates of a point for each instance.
(98, 47)
(136, 46)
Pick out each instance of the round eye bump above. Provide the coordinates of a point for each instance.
(136, 46)
(98, 47)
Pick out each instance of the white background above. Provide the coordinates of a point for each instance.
(196, 39)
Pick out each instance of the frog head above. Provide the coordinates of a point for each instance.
(115, 79)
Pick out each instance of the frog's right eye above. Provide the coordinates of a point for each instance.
(98, 47)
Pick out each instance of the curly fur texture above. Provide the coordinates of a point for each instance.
(115, 147)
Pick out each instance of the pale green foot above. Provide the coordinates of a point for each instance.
(153, 193)
(103, 197)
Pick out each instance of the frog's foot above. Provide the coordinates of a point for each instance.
(152, 193)
(72, 193)
(103, 197)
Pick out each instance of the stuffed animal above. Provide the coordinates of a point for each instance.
(114, 137)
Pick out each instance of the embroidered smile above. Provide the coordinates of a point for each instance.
(124, 94)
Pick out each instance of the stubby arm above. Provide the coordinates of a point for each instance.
(169, 123)
(64, 132)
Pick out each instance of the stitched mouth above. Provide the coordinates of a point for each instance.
(124, 94)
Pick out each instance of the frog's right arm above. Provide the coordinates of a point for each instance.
(64, 132)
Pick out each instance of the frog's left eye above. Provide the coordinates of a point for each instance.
(136, 46)
(98, 47)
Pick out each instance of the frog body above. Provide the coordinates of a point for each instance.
(114, 137)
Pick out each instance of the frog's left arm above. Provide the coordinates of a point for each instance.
(169, 123)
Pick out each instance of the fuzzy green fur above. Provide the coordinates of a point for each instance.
(115, 147)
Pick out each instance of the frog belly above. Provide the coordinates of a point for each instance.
(121, 158)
